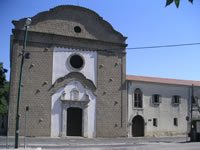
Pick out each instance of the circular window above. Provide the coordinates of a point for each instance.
(76, 61)
(77, 29)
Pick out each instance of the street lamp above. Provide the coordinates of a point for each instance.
(27, 23)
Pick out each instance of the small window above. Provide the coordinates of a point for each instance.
(155, 122)
(176, 99)
(77, 29)
(175, 121)
(138, 98)
(76, 61)
(156, 99)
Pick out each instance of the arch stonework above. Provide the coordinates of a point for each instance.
(73, 76)
(137, 113)
(138, 126)
(62, 100)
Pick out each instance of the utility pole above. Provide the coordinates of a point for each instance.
(25, 124)
(192, 99)
(28, 22)
(191, 110)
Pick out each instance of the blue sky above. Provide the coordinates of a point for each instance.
(145, 23)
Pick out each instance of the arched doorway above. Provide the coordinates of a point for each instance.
(138, 126)
(74, 121)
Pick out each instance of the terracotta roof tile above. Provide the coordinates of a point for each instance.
(162, 80)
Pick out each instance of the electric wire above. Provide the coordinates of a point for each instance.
(163, 46)
(128, 48)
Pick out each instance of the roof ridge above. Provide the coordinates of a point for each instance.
(162, 80)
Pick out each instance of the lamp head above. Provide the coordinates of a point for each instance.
(28, 22)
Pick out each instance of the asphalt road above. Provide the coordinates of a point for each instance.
(75, 143)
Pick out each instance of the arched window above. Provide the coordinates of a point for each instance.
(138, 98)
(74, 94)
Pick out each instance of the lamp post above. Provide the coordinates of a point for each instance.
(28, 22)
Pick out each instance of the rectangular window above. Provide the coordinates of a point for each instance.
(176, 99)
(155, 122)
(156, 99)
(194, 100)
(175, 121)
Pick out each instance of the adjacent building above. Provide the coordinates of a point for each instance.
(160, 106)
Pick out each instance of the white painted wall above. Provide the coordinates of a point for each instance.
(61, 67)
(89, 114)
(56, 113)
(165, 112)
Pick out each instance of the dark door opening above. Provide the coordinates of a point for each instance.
(138, 126)
(74, 122)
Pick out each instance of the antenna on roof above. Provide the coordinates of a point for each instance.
(78, 2)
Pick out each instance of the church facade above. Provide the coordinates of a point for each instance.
(75, 82)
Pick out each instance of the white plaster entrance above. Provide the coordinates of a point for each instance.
(74, 118)
(73, 95)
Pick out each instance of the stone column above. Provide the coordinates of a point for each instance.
(64, 120)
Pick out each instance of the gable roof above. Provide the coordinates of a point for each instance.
(62, 20)
(162, 80)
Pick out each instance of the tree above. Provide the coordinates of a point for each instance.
(2, 74)
(3, 90)
(177, 2)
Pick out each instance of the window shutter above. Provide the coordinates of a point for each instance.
(152, 99)
(160, 98)
(196, 100)
(179, 100)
